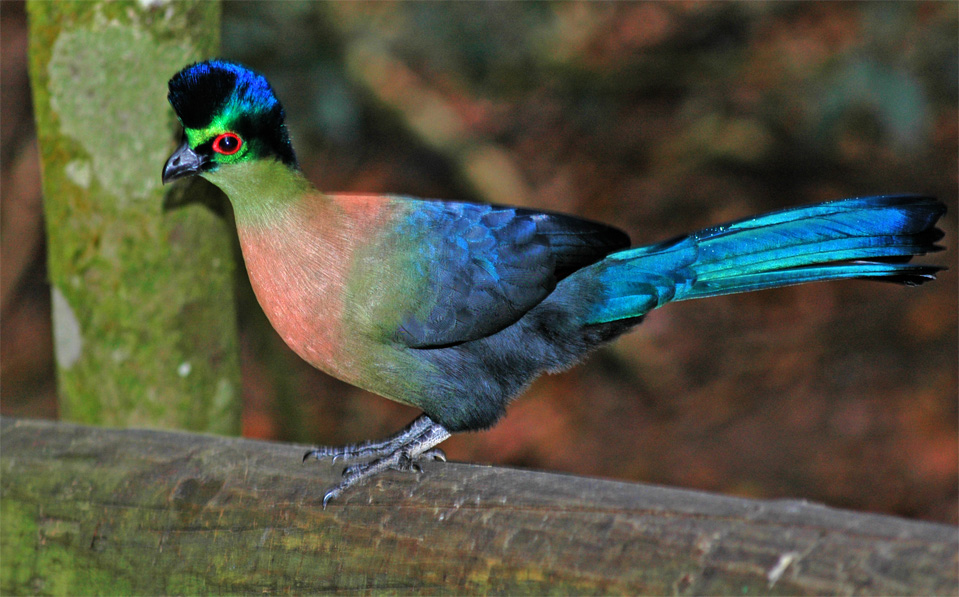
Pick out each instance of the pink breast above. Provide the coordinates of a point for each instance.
(299, 266)
(300, 294)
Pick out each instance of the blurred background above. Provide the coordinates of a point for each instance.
(661, 118)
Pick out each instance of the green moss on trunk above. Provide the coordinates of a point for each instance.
(143, 307)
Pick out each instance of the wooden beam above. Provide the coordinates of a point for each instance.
(88, 510)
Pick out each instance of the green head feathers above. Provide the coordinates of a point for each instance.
(229, 114)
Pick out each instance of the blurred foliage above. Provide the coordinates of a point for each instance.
(661, 118)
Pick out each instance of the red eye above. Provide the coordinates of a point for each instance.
(227, 143)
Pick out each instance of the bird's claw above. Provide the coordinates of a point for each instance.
(399, 461)
(346, 453)
(315, 453)
(332, 494)
(356, 473)
(433, 454)
(403, 451)
(406, 463)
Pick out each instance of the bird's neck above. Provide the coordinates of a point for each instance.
(294, 243)
(262, 191)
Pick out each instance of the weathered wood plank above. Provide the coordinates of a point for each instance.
(89, 510)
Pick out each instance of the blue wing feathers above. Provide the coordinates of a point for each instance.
(490, 265)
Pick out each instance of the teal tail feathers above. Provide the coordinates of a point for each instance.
(871, 237)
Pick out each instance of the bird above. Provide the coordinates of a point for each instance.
(456, 307)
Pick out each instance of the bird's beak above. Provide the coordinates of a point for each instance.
(183, 162)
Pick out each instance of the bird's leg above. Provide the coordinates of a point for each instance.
(401, 451)
(373, 449)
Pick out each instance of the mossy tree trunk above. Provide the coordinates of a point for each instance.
(143, 306)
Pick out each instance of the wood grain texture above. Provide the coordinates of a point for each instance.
(88, 510)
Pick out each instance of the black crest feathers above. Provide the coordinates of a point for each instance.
(200, 91)
(204, 91)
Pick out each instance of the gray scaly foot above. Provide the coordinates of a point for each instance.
(401, 452)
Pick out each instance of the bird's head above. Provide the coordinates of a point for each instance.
(230, 115)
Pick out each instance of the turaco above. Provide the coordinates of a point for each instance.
(455, 308)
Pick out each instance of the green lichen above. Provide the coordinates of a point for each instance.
(18, 530)
(112, 112)
(43, 555)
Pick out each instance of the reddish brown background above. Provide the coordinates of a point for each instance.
(661, 118)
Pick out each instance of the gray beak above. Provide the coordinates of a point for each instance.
(183, 162)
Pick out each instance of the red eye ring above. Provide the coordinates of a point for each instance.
(227, 143)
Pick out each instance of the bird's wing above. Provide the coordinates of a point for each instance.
(482, 267)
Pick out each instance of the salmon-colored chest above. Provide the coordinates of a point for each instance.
(299, 267)
(299, 280)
